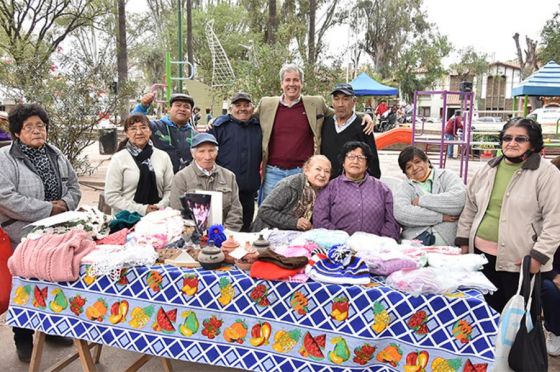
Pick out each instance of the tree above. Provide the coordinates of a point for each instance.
(550, 44)
(528, 62)
(35, 29)
(272, 25)
(122, 54)
(470, 64)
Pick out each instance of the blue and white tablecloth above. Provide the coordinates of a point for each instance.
(227, 318)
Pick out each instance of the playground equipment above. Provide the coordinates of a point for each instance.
(170, 78)
(464, 142)
(222, 72)
(393, 136)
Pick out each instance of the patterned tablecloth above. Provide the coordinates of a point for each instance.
(227, 318)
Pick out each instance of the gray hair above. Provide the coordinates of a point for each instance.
(291, 67)
(193, 149)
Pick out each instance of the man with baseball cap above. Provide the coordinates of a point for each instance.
(345, 126)
(173, 132)
(240, 137)
(204, 174)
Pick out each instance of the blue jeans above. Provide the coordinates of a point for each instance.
(449, 137)
(550, 296)
(272, 176)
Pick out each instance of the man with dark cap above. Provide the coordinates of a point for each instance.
(239, 136)
(345, 126)
(204, 174)
(172, 133)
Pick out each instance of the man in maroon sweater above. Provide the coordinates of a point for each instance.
(291, 127)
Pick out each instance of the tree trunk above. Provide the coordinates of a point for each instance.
(190, 57)
(528, 64)
(311, 36)
(122, 56)
(272, 23)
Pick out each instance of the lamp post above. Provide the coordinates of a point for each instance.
(180, 42)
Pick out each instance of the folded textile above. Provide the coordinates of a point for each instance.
(54, 258)
(340, 267)
(116, 238)
(365, 242)
(86, 218)
(279, 238)
(469, 262)
(270, 271)
(306, 250)
(159, 228)
(124, 219)
(269, 255)
(326, 238)
(380, 266)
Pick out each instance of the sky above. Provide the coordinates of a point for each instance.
(488, 25)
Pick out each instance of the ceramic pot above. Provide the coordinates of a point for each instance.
(211, 257)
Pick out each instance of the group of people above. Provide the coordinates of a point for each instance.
(320, 169)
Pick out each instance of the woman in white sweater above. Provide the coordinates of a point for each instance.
(139, 175)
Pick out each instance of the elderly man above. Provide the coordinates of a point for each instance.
(204, 174)
(291, 127)
(240, 138)
(172, 133)
(345, 126)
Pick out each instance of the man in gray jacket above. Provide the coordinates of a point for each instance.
(204, 174)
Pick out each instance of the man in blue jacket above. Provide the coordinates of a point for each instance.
(239, 137)
(172, 133)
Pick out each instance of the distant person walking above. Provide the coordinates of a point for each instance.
(454, 123)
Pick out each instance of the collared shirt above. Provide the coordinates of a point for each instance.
(340, 128)
(426, 186)
(366, 206)
(284, 103)
(205, 171)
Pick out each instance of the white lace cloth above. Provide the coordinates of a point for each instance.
(159, 228)
(111, 259)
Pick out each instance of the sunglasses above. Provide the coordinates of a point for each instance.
(518, 139)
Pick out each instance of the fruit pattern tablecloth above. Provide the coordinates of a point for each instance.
(227, 318)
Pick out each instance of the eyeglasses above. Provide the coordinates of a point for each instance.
(31, 128)
(353, 157)
(518, 139)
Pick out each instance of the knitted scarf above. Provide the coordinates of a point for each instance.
(146, 191)
(44, 169)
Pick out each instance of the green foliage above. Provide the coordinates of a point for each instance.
(470, 63)
(550, 45)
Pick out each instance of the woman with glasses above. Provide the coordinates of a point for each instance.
(429, 202)
(36, 181)
(512, 210)
(356, 201)
(139, 175)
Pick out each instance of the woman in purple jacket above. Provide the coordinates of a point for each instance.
(356, 201)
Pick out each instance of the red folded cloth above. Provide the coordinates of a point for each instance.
(270, 271)
(55, 258)
(116, 238)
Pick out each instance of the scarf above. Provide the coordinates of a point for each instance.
(44, 168)
(304, 207)
(146, 191)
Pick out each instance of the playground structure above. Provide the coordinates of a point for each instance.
(464, 141)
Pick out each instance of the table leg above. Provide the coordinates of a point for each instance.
(85, 356)
(139, 363)
(97, 353)
(38, 344)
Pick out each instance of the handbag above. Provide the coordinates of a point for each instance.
(528, 352)
(508, 326)
(5, 276)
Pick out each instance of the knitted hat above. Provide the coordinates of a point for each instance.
(340, 267)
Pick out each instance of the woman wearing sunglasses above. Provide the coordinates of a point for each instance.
(512, 210)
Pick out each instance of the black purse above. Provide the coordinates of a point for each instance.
(528, 352)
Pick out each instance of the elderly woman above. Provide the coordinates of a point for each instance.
(290, 205)
(36, 181)
(356, 201)
(512, 210)
(139, 175)
(429, 203)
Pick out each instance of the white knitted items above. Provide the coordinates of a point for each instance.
(467, 262)
(159, 228)
(111, 259)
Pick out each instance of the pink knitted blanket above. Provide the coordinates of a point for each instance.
(55, 258)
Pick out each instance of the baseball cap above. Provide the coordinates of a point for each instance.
(202, 138)
(343, 88)
(181, 97)
(241, 96)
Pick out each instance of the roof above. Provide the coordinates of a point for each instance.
(364, 85)
(544, 82)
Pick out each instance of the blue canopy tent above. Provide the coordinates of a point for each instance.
(366, 86)
(544, 82)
